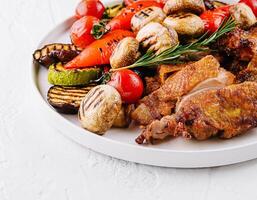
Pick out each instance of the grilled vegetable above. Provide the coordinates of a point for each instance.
(213, 19)
(100, 108)
(123, 120)
(128, 84)
(90, 8)
(123, 20)
(157, 38)
(112, 11)
(211, 5)
(100, 51)
(67, 99)
(58, 75)
(126, 53)
(54, 53)
(175, 6)
(80, 32)
(146, 15)
(185, 24)
(252, 4)
(243, 15)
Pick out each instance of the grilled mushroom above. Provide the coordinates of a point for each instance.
(174, 6)
(125, 53)
(54, 53)
(243, 15)
(143, 17)
(123, 119)
(157, 38)
(185, 24)
(100, 108)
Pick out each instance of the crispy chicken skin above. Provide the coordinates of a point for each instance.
(250, 73)
(162, 101)
(239, 44)
(225, 113)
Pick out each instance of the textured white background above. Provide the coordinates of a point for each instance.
(37, 163)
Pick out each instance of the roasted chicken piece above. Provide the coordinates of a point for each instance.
(151, 84)
(239, 44)
(250, 73)
(157, 38)
(243, 15)
(225, 113)
(175, 6)
(186, 24)
(143, 17)
(161, 102)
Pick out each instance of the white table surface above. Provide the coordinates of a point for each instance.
(38, 163)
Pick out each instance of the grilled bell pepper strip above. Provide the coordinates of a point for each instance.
(122, 21)
(129, 2)
(100, 51)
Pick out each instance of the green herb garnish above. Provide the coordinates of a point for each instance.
(171, 55)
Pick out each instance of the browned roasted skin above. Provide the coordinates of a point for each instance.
(162, 101)
(225, 112)
(151, 84)
(250, 73)
(239, 43)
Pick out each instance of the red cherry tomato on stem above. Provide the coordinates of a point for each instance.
(81, 31)
(129, 85)
(90, 8)
(214, 18)
(252, 4)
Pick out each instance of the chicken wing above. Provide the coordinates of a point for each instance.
(225, 113)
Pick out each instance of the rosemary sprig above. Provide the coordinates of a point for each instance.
(170, 55)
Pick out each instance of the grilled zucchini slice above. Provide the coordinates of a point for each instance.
(67, 99)
(54, 53)
(58, 75)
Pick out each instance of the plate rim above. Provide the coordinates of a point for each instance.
(118, 144)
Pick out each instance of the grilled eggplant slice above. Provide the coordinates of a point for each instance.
(58, 75)
(54, 53)
(67, 99)
(100, 108)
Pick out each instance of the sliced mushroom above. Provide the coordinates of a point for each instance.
(243, 15)
(157, 38)
(125, 53)
(99, 109)
(143, 17)
(174, 6)
(185, 24)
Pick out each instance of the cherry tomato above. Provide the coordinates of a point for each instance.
(122, 21)
(252, 4)
(81, 31)
(129, 85)
(214, 18)
(90, 8)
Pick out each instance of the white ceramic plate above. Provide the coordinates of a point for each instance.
(119, 143)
